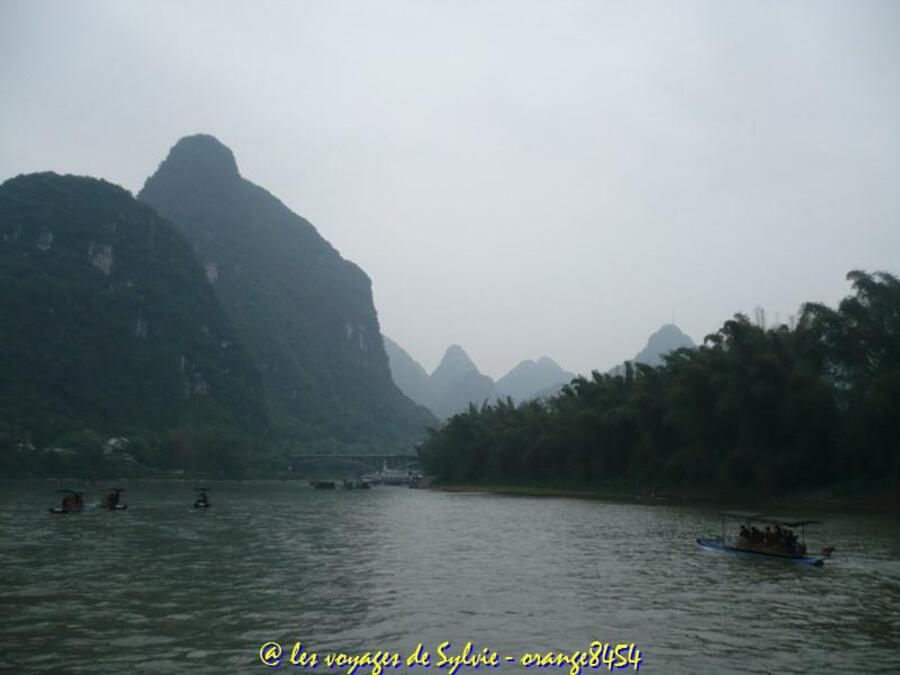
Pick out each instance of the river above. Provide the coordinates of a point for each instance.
(165, 588)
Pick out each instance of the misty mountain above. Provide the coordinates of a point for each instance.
(449, 389)
(407, 373)
(668, 338)
(454, 365)
(107, 321)
(305, 314)
(529, 378)
(456, 381)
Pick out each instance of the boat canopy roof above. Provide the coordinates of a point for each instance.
(789, 521)
(746, 515)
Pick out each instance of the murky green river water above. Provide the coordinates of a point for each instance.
(164, 588)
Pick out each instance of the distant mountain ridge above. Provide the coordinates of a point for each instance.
(456, 381)
(407, 373)
(529, 378)
(668, 338)
(305, 314)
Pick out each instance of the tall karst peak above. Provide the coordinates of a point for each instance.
(203, 155)
(454, 363)
(668, 338)
(305, 313)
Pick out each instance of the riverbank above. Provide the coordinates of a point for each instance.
(836, 498)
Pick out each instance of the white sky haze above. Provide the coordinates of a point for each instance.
(521, 178)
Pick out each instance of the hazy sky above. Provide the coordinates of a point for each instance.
(521, 178)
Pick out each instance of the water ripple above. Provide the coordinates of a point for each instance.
(164, 588)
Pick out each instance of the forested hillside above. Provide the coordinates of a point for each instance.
(108, 328)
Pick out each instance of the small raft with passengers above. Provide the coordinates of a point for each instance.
(72, 502)
(202, 501)
(776, 542)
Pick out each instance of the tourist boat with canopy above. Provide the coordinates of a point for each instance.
(777, 541)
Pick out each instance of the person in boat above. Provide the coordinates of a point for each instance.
(791, 542)
(202, 499)
(73, 501)
(112, 500)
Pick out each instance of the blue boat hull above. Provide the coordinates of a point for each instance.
(715, 544)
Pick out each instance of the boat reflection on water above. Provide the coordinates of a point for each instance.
(356, 484)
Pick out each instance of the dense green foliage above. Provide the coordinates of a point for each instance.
(108, 327)
(305, 314)
(752, 408)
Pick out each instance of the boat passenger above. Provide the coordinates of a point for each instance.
(791, 541)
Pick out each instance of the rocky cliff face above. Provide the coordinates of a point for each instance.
(305, 314)
(107, 320)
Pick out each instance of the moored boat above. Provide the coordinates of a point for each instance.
(322, 484)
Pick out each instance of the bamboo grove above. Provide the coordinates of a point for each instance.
(753, 408)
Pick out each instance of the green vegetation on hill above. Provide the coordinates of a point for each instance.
(305, 314)
(108, 327)
(752, 408)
